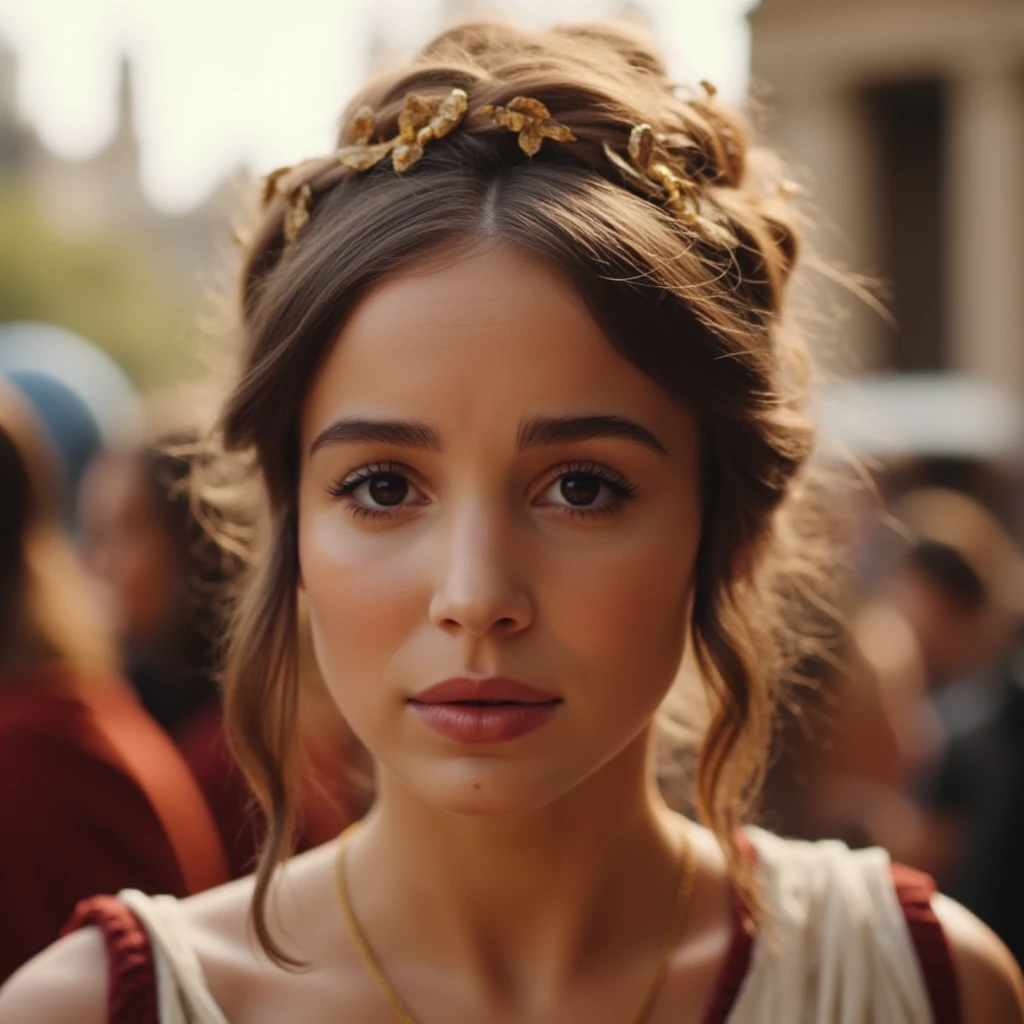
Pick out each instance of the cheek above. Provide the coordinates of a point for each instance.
(625, 614)
(363, 594)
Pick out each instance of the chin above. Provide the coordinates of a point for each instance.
(484, 787)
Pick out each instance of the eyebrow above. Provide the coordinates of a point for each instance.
(403, 433)
(532, 433)
(566, 429)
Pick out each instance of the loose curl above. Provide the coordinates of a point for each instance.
(701, 316)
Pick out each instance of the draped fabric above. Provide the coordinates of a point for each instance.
(841, 951)
(853, 941)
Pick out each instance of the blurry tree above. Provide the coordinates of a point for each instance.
(109, 287)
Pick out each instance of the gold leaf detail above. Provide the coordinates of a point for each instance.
(531, 120)
(363, 126)
(450, 113)
(269, 184)
(363, 157)
(641, 147)
(405, 155)
(297, 216)
(530, 107)
(415, 114)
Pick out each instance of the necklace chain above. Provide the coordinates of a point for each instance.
(684, 888)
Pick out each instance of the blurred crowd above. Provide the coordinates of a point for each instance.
(116, 586)
(905, 728)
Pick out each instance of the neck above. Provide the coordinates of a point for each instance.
(535, 896)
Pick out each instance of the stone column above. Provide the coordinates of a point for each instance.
(986, 222)
(826, 132)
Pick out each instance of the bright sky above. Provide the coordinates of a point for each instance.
(219, 82)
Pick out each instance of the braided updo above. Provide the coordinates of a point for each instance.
(697, 305)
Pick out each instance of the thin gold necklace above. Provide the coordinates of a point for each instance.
(687, 876)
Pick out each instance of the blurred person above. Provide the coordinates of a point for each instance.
(957, 583)
(94, 797)
(79, 394)
(517, 383)
(960, 584)
(163, 576)
(853, 735)
(149, 538)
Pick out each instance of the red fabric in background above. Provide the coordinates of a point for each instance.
(94, 797)
(330, 800)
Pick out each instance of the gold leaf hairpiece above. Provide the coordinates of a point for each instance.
(648, 170)
(299, 198)
(531, 119)
(418, 123)
(297, 216)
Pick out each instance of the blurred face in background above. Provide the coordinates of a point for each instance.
(952, 636)
(127, 547)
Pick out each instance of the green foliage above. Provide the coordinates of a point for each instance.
(109, 287)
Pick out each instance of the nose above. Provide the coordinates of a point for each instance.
(480, 589)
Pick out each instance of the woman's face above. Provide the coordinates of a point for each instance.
(489, 489)
(127, 548)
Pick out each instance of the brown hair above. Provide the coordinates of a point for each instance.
(46, 614)
(700, 315)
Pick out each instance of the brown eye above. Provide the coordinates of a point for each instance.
(379, 489)
(580, 488)
(388, 489)
(586, 489)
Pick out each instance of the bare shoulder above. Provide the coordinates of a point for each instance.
(67, 981)
(991, 985)
(241, 978)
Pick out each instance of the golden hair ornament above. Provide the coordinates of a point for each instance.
(531, 119)
(420, 121)
(297, 216)
(299, 197)
(648, 169)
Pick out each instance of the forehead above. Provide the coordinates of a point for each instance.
(473, 339)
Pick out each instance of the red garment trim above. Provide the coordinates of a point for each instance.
(132, 972)
(915, 890)
(741, 948)
(734, 968)
(132, 995)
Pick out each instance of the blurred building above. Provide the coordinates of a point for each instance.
(103, 192)
(909, 117)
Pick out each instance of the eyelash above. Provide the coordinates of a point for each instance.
(620, 487)
(344, 487)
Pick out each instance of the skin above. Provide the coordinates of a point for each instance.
(525, 881)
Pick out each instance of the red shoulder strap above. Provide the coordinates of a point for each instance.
(132, 997)
(734, 968)
(741, 949)
(914, 890)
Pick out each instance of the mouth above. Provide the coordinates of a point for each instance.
(491, 710)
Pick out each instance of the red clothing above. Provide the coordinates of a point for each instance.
(329, 802)
(133, 994)
(94, 798)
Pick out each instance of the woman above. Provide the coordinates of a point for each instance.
(517, 385)
(95, 797)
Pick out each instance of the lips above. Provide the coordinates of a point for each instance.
(490, 710)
